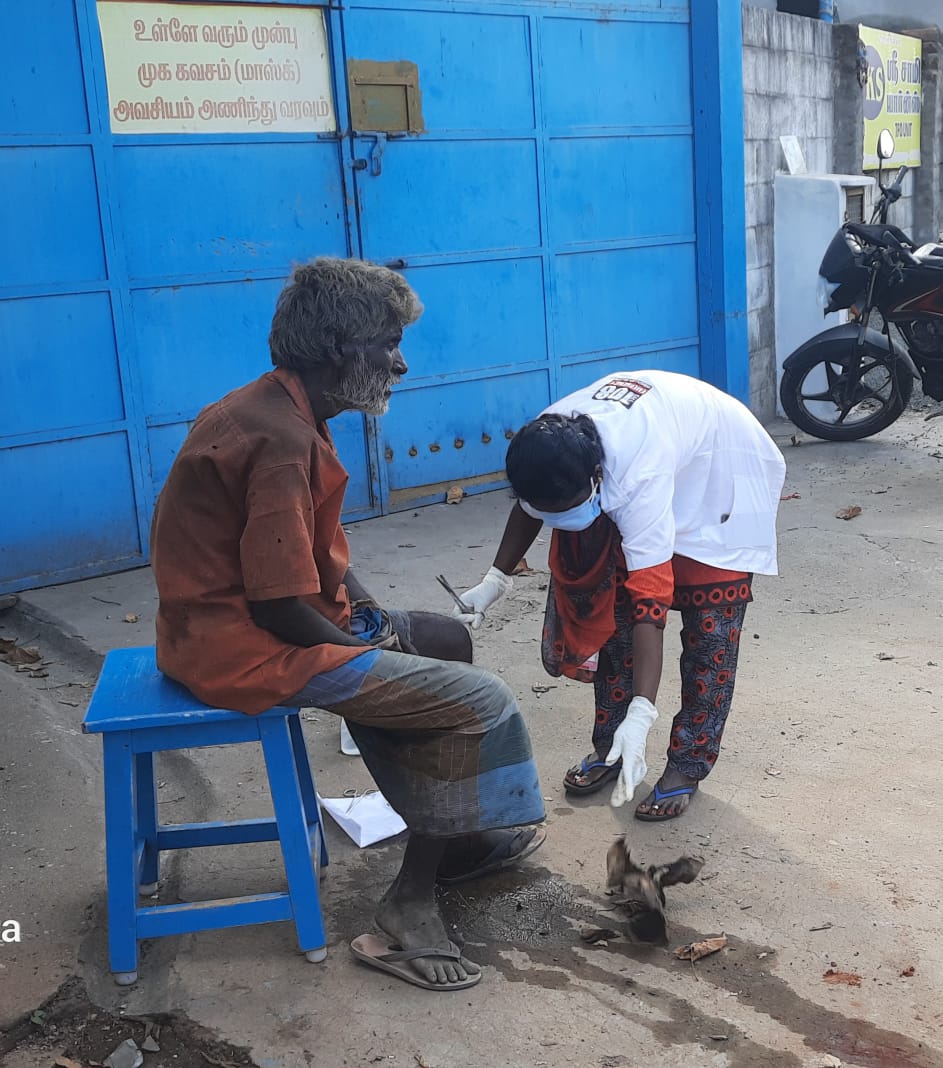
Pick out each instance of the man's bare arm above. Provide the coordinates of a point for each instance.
(519, 534)
(295, 621)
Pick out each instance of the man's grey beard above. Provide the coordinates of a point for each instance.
(364, 388)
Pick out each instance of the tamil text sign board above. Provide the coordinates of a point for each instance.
(893, 96)
(215, 68)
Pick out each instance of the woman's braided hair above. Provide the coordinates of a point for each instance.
(553, 458)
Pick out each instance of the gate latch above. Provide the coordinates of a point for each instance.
(376, 155)
(375, 158)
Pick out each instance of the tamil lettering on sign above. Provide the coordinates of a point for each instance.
(893, 95)
(216, 68)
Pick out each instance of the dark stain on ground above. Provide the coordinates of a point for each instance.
(538, 913)
(563, 810)
(69, 1024)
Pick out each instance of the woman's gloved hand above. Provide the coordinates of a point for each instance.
(628, 745)
(480, 598)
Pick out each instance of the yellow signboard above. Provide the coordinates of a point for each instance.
(893, 95)
(220, 68)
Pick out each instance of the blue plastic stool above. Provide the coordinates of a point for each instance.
(139, 712)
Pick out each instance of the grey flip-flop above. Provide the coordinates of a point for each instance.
(379, 954)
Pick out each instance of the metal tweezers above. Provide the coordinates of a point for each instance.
(462, 607)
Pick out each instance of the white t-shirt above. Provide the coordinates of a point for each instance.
(687, 469)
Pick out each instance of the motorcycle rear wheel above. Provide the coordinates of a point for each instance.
(830, 398)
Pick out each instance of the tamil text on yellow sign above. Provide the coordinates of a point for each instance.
(893, 96)
(215, 68)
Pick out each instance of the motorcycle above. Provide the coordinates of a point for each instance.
(852, 381)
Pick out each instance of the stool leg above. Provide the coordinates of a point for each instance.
(120, 856)
(293, 835)
(306, 781)
(145, 792)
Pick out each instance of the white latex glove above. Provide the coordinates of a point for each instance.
(628, 744)
(480, 598)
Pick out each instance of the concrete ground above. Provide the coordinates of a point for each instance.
(819, 824)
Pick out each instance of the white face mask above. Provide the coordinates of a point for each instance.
(579, 518)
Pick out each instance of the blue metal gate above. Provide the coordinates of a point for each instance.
(547, 213)
(546, 216)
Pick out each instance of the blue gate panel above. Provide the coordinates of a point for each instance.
(163, 444)
(49, 216)
(451, 197)
(458, 429)
(625, 298)
(455, 52)
(603, 189)
(574, 376)
(42, 90)
(207, 208)
(611, 73)
(351, 439)
(49, 387)
(75, 508)
(503, 325)
(195, 343)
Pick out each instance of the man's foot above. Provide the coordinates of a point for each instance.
(474, 855)
(415, 924)
(590, 775)
(669, 799)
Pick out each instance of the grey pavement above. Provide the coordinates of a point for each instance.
(820, 824)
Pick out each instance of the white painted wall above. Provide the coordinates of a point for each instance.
(808, 209)
(902, 13)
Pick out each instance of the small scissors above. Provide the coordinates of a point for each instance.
(462, 607)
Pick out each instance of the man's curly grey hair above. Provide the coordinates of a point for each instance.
(329, 302)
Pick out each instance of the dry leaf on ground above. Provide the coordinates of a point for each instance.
(851, 512)
(21, 654)
(131, 618)
(791, 497)
(837, 978)
(454, 494)
(908, 972)
(695, 950)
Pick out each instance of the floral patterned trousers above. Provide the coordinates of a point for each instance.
(711, 623)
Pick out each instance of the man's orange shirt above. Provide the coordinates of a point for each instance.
(250, 512)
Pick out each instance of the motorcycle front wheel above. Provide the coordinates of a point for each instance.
(844, 398)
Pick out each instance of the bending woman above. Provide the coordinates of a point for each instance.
(662, 494)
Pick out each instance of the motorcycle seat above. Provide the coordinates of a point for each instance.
(930, 255)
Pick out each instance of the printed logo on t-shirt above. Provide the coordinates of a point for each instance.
(624, 390)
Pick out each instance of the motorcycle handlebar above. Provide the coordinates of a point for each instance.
(884, 237)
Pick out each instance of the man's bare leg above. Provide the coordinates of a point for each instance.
(408, 913)
(440, 637)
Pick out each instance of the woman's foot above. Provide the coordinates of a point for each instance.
(412, 923)
(590, 775)
(657, 806)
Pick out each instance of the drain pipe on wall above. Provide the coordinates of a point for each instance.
(827, 10)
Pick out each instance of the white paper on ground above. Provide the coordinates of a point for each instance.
(365, 819)
(348, 745)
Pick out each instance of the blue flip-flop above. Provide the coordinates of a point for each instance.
(611, 772)
(663, 795)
